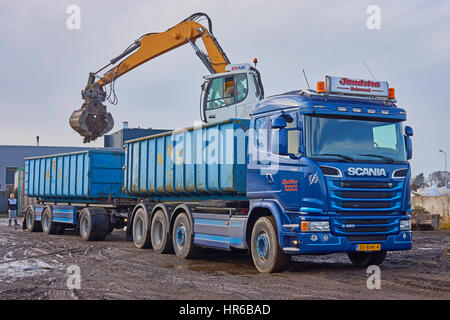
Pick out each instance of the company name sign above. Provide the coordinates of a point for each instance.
(356, 86)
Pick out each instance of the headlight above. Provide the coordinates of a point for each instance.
(405, 224)
(315, 226)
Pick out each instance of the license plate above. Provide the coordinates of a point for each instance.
(368, 247)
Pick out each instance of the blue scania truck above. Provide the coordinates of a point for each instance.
(312, 172)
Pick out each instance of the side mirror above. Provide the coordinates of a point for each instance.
(409, 131)
(408, 145)
(280, 142)
(279, 122)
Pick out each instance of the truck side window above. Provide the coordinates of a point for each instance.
(220, 93)
(293, 135)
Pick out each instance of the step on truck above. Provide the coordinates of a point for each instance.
(312, 172)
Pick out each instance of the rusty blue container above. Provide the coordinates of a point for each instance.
(196, 163)
(90, 175)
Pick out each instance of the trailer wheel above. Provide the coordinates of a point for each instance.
(159, 233)
(90, 226)
(266, 252)
(365, 259)
(48, 225)
(31, 224)
(141, 235)
(182, 237)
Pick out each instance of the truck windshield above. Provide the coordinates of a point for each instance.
(354, 140)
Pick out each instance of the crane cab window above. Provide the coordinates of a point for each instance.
(225, 91)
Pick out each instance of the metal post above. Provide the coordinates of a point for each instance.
(445, 155)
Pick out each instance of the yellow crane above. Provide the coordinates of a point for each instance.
(92, 120)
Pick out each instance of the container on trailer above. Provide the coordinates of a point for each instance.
(89, 175)
(196, 163)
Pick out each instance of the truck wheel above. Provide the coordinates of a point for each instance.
(182, 237)
(365, 259)
(141, 235)
(159, 233)
(31, 224)
(89, 227)
(266, 253)
(48, 226)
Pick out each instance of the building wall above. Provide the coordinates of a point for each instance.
(434, 205)
(13, 157)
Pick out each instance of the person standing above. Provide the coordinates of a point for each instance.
(12, 208)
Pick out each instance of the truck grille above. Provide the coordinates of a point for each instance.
(368, 196)
(364, 228)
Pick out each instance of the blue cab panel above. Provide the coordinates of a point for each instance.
(196, 163)
(83, 176)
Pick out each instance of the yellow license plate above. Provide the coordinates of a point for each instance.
(368, 247)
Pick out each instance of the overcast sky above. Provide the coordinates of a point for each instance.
(44, 65)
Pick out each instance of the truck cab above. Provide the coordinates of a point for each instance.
(331, 167)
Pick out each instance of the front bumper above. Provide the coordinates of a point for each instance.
(329, 243)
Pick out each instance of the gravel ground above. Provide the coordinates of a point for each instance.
(35, 266)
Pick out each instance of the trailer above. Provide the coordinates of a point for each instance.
(81, 190)
(312, 172)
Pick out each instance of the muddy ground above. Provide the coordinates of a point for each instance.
(34, 266)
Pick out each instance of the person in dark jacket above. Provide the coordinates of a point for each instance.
(12, 208)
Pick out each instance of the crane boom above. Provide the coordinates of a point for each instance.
(92, 120)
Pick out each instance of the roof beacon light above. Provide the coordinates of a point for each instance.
(391, 93)
(320, 86)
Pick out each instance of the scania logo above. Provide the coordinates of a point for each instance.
(348, 226)
(376, 172)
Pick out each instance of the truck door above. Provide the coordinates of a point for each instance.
(287, 176)
(271, 175)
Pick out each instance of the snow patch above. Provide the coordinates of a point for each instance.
(14, 270)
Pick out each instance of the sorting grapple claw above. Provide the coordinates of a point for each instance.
(91, 121)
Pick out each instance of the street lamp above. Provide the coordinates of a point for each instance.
(445, 154)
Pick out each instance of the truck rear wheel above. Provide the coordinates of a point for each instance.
(31, 224)
(183, 236)
(266, 252)
(159, 233)
(91, 226)
(365, 259)
(141, 235)
(48, 225)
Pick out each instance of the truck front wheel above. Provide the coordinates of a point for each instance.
(266, 252)
(365, 259)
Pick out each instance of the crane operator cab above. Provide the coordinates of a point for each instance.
(232, 94)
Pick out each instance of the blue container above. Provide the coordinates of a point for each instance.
(86, 175)
(197, 163)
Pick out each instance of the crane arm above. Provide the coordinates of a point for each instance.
(92, 120)
(155, 44)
